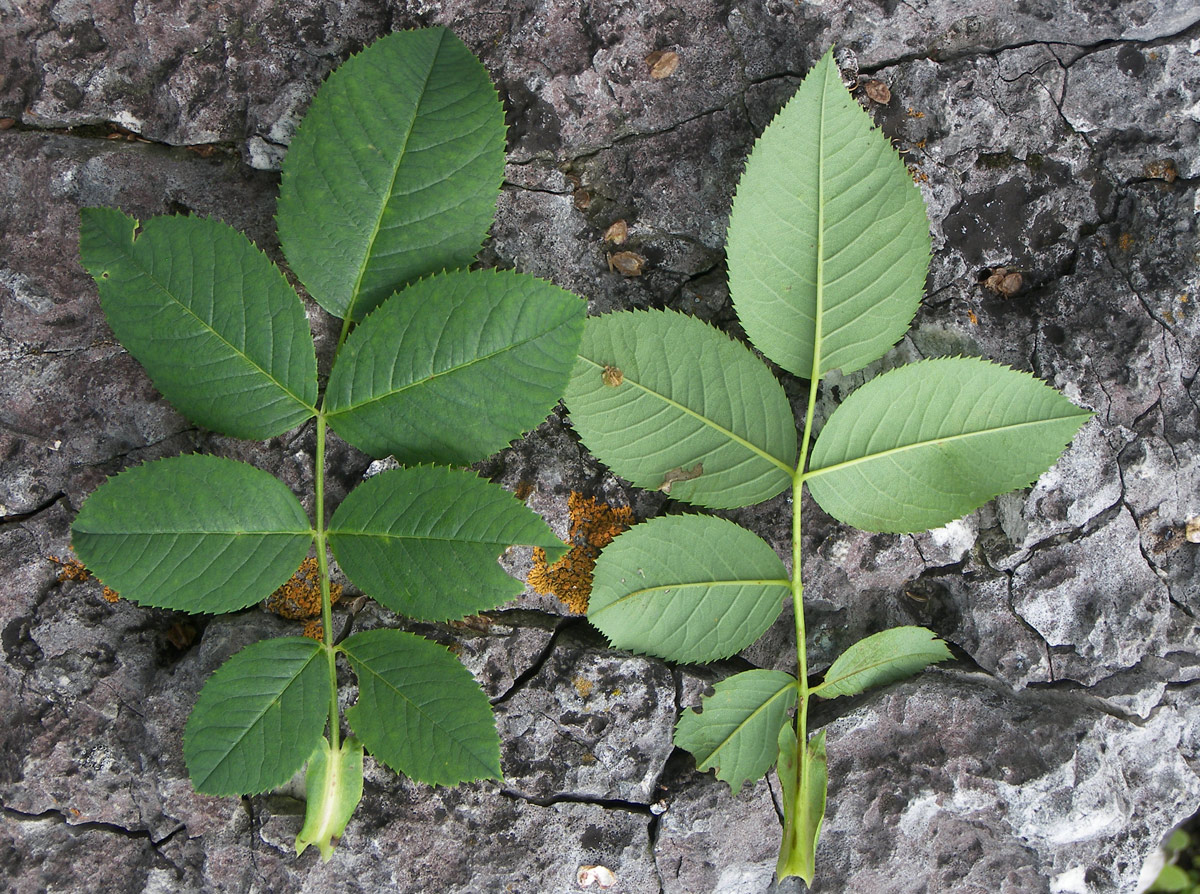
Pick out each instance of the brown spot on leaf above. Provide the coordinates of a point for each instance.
(612, 376)
(676, 475)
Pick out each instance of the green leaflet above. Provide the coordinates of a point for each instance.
(828, 241)
(671, 403)
(736, 732)
(419, 710)
(217, 327)
(193, 533)
(424, 541)
(927, 443)
(882, 658)
(455, 367)
(258, 718)
(804, 786)
(394, 172)
(687, 588)
(333, 786)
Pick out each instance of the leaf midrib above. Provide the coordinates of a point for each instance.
(132, 254)
(689, 584)
(738, 439)
(927, 442)
(356, 289)
(791, 684)
(833, 682)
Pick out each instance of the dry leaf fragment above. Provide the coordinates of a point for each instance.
(627, 263)
(617, 233)
(6, 123)
(612, 376)
(878, 91)
(676, 475)
(1193, 530)
(1004, 282)
(1162, 169)
(662, 63)
(601, 875)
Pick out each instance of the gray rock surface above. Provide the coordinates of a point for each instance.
(1057, 139)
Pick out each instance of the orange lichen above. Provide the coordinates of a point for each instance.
(300, 597)
(314, 630)
(594, 525)
(73, 569)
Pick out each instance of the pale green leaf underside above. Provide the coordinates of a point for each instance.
(691, 405)
(882, 658)
(455, 367)
(193, 533)
(687, 588)
(804, 784)
(258, 718)
(929, 442)
(736, 732)
(424, 541)
(828, 239)
(420, 711)
(215, 324)
(394, 172)
(333, 786)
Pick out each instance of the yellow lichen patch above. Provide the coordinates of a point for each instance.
(73, 569)
(583, 686)
(300, 597)
(594, 525)
(314, 630)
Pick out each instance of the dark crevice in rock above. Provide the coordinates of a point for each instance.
(57, 816)
(535, 667)
(18, 517)
(567, 798)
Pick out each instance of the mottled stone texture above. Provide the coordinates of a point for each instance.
(1059, 140)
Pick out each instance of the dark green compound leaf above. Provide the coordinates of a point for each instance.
(193, 533)
(394, 172)
(882, 658)
(455, 367)
(670, 403)
(828, 239)
(687, 588)
(420, 711)
(215, 324)
(258, 718)
(423, 541)
(929, 442)
(736, 732)
(804, 778)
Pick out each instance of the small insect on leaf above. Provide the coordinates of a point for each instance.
(663, 64)
(676, 475)
(612, 376)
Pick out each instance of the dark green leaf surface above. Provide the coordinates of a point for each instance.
(394, 172)
(193, 533)
(217, 327)
(420, 711)
(681, 408)
(258, 718)
(455, 367)
(828, 240)
(882, 658)
(424, 541)
(736, 733)
(927, 443)
(687, 588)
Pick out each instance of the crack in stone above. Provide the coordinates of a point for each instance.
(569, 798)
(18, 517)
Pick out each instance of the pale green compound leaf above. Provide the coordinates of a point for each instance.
(736, 732)
(258, 718)
(215, 324)
(455, 367)
(924, 444)
(687, 588)
(333, 786)
(804, 784)
(882, 658)
(193, 533)
(419, 710)
(394, 172)
(828, 242)
(670, 403)
(423, 541)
